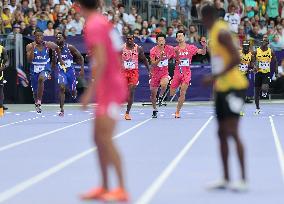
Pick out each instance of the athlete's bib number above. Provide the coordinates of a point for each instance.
(264, 65)
(163, 63)
(184, 63)
(129, 65)
(38, 68)
(67, 63)
(217, 63)
(243, 67)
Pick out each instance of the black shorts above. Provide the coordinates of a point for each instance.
(229, 104)
(261, 78)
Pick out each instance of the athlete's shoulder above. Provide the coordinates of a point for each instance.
(153, 49)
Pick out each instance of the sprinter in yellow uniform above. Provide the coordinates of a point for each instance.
(229, 87)
(3, 65)
(246, 64)
(263, 56)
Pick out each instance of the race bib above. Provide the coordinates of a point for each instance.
(264, 65)
(38, 68)
(184, 63)
(67, 63)
(163, 63)
(217, 63)
(129, 65)
(243, 67)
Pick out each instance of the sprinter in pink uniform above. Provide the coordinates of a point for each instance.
(182, 74)
(109, 88)
(160, 56)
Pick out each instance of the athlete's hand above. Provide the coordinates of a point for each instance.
(208, 80)
(86, 97)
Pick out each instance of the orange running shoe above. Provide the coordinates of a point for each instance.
(177, 115)
(116, 195)
(127, 116)
(94, 194)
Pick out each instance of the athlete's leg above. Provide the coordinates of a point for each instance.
(181, 98)
(164, 83)
(224, 148)
(232, 125)
(62, 97)
(153, 97)
(108, 153)
(131, 92)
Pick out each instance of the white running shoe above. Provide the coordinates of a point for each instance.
(218, 185)
(257, 112)
(240, 186)
(264, 94)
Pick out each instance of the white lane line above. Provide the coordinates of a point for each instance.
(15, 144)
(21, 121)
(12, 192)
(278, 146)
(148, 195)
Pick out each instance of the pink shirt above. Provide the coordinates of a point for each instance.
(112, 85)
(155, 53)
(185, 56)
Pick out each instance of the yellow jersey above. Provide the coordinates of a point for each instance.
(263, 59)
(1, 73)
(245, 61)
(220, 57)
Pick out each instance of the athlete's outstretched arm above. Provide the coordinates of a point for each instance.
(78, 57)
(143, 58)
(274, 59)
(5, 63)
(53, 46)
(99, 56)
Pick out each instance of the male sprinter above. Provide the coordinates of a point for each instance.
(67, 77)
(131, 55)
(38, 56)
(263, 56)
(229, 87)
(109, 87)
(4, 62)
(160, 56)
(182, 74)
(246, 62)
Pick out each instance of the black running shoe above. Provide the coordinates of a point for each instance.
(5, 108)
(38, 108)
(155, 114)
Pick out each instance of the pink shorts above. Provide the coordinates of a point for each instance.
(157, 76)
(181, 78)
(109, 99)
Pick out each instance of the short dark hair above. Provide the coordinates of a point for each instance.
(90, 4)
(160, 35)
(180, 31)
(38, 30)
(209, 10)
(61, 33)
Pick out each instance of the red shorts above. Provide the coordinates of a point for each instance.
(131, 76)
(157, 76)
(181, 78)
